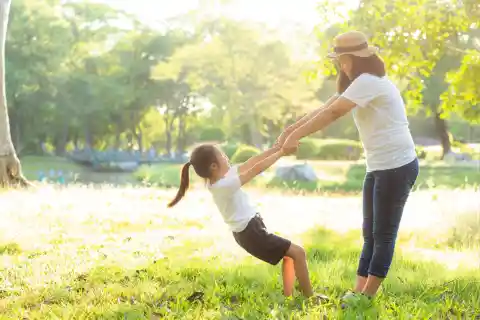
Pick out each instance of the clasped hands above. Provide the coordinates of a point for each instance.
(287, 142)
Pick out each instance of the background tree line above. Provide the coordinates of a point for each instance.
(82, 74)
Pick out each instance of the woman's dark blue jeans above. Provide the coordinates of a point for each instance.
(385, 193)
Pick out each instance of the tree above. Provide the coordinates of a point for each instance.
(10, 167)
(463, 94)
(248, 76)
(415, 49)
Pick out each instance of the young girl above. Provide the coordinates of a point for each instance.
(225, 182)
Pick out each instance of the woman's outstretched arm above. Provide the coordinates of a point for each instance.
(337, 109)
(303, 120)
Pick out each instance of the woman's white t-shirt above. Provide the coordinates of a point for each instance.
(232, 202)
(381, 121)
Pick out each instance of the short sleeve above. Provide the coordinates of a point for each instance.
(230, 183)
(362, 90)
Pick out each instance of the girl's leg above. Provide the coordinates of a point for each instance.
(299, 258)
(288, 274)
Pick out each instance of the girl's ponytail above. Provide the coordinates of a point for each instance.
(184, 183)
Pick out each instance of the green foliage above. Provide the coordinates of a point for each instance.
(95, 83)
(162, 175)
(212, 134)
(244, 153)
(229, 149)
(463, 96)
(421, 153)
(330, 149)
(308, 149)
(337, 149)
(415, 50)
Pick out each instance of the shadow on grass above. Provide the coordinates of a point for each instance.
(180, 287)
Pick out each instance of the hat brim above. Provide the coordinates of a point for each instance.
(364, 53)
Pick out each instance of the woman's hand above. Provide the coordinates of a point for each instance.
(290, 145)
(283, 136)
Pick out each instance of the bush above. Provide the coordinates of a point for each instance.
(340, 150)
(244, 153)
(421, 153)
(308, 149)
(330, 149)
(212, 134)
(229, 149)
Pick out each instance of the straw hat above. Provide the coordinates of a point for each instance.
(354, 43)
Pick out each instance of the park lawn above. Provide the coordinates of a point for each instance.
(116, 253)
(334, 176)
(32, 165)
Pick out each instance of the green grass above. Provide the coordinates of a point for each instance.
(163, 175)
(72, 172)
(11, 248)
(117, 253)
(334, 176)
(165, 289)
(32, 165)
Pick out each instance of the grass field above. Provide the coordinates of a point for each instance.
(32, 165)
(71, 172)
(334, 176)
(117, 253)
(104, 252)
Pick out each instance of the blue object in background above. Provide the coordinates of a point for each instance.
(61, 178)
(41, 176)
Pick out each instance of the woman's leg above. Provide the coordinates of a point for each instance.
(299, 258)
(288, 274)
(367, 229)
(392, 188)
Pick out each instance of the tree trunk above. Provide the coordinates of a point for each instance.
(75, 141)
(181, 135)
(255, 135)
(16, 132)
(137, 132)
(61, 141)
(168, 134)
(88, 136)
(117, 137)
(6, 145)
(10, 168)
(442, 132)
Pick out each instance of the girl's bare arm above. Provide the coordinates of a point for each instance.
(247, 173)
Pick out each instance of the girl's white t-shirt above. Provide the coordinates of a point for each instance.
(232, 202)
(381, 121)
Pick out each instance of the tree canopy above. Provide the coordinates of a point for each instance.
(83, 74)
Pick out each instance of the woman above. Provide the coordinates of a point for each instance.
(392, 165)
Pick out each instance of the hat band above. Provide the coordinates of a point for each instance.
(351, 49)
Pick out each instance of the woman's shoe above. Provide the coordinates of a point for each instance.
(320, 298)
